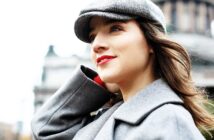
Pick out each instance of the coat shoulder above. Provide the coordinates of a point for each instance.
(170, 112)
(172, 118)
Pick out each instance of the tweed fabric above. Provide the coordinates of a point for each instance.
(118, 10)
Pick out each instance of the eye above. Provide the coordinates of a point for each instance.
(91, 37)
(116, 28)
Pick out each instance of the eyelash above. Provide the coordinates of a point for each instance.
(113, 28)
(91, 38)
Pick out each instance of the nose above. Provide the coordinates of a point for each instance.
(99, 44)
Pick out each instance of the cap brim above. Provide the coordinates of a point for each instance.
(81, 26)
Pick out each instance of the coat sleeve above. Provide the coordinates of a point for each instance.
(68, 110)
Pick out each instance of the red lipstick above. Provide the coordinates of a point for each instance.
(104, 59)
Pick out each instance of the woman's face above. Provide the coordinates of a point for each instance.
(119, 50)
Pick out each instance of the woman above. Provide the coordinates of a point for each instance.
(135, 59)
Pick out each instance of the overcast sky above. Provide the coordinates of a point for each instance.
(27, 28)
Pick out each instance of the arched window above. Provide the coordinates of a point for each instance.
(174, 15)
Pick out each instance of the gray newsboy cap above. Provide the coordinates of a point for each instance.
(118, 10)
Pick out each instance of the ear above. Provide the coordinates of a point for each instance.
(151, 51)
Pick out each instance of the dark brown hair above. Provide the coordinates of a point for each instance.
(172, 64)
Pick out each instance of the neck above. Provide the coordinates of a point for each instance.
(135, 83)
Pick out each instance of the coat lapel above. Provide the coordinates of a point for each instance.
(107, 131)
(144, 102)
(132, 111)
(90, 131)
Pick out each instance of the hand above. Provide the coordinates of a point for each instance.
(112, 87)
(116, 93)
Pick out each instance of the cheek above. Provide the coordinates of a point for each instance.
(136, 55)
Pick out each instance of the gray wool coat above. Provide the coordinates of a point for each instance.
(154, 113)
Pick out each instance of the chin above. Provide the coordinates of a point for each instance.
(110, 74)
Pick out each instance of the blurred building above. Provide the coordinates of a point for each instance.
(188, 16)
(6, 132)
(55, 72)
(188, 22)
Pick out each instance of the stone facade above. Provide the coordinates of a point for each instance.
(191, 16)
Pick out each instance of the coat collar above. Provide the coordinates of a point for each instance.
(145, 101)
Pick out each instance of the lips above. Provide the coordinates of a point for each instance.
(104, 59)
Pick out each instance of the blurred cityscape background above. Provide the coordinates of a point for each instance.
(189, 22)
